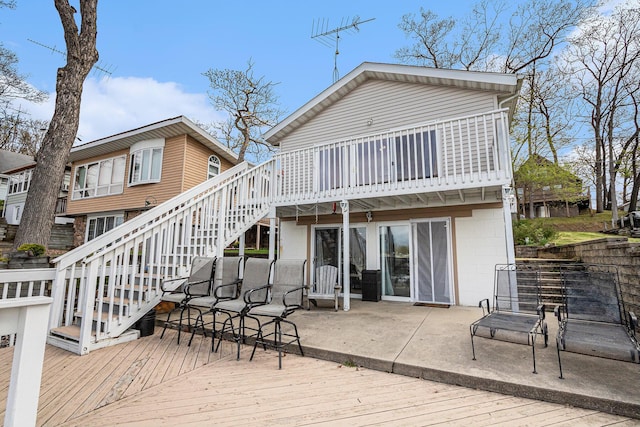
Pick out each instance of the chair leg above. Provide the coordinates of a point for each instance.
(166, 323)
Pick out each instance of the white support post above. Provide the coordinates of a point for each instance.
(346, 256)
(241, 245)
(222, 222)
(272, 238)
(507, 195)
(29, 320)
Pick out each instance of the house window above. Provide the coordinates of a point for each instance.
(146, 166)
(214, 166)
(19, 183)
(99, 225)
(101, 178)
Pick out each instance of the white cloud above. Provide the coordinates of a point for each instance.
(117, 104)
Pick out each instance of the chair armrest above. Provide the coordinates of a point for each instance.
(482, 306)
(558, 311)
(633, 323)
(188, 284)
(284, 296)
(235, 284)
(247, 295)
(171, 288)
(541, 311)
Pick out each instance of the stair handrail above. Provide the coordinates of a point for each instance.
(142, 220)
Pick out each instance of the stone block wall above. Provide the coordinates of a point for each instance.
(612, 251)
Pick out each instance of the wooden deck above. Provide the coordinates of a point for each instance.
(156, 382)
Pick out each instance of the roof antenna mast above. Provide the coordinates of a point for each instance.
(321, 32)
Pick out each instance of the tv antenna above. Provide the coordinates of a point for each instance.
(108, 70)
(321, 32)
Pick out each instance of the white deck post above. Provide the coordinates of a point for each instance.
(507, 195)
(272, 233)
(346, 256)
(28, 317)
(241, 244)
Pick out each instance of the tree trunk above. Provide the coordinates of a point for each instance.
(39, 210)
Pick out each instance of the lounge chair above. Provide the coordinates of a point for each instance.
(256, 283)
(516, 308)
(325, 286)
(593, 319)
(226, 285)
(180, 290)
(287, 293)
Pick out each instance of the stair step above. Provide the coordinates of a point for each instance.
(71, 332)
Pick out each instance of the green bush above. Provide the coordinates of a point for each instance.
(533, 232)
(34, 248)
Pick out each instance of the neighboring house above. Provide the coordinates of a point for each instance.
(9, 161)
(118, 177)
(19, 181)
(415, 163)
(557, 192)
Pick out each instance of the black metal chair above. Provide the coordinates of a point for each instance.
(182, 289)
(256, 284)
(226, 286)
(516, 308)
(287, 294)
(593, 319)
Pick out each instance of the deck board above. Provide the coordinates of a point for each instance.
(154, 381)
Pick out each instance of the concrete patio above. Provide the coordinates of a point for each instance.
(434, 343)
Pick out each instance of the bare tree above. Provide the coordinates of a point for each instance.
(251, 105)
(19, 134)
(82, 54)
(603, 62)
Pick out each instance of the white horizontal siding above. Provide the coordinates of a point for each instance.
(387, 105)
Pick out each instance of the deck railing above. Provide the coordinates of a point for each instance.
(452, 154)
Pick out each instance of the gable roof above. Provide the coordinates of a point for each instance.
(168, 128)
(9, 161)
(508, 84)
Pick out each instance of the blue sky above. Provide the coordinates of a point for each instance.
(157, 51)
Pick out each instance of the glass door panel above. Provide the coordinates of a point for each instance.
(394, 262)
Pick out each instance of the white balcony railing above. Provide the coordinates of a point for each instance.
(463, 152)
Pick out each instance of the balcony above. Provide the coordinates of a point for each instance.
(459, 157)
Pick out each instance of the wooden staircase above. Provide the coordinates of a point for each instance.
(105, 286)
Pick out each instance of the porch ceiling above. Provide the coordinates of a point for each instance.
(391, 202)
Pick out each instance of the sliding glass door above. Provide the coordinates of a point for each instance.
(431, 261)
(328, 251)
(394, 260)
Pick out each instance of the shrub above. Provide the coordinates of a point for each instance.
(532, 232)
(34, 248)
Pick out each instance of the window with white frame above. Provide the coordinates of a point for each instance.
(19, 183)
(214, 166)
(99, 225)
(101, 178)
(146, 162)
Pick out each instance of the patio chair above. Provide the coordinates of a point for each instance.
(516, 308)
(325, 286)
(287, 293)
(180, 290)
(226, 285)
(256, 283)
(593, 319)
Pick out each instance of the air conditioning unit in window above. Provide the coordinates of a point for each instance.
(64, 187)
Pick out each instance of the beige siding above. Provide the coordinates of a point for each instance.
(198, 163)
(388, 105)
(134, 197)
